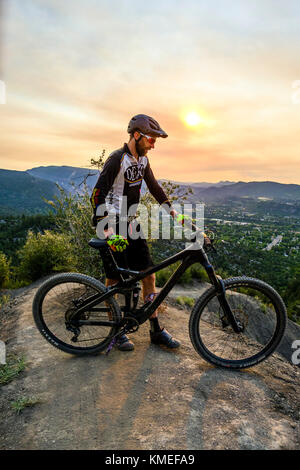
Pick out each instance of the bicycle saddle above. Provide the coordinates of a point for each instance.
(97, 243)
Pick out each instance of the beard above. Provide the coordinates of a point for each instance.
(140, 149)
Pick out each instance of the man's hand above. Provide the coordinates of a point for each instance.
(173, 213)
(117, 243)
(109, 232)
(181, 218)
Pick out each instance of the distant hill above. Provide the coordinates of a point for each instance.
(66, 175)
(202, 184)
(204, 191)
(21, 192)
(268, 190)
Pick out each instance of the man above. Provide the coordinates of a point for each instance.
(122, 175)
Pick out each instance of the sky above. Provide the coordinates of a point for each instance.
(75, 72)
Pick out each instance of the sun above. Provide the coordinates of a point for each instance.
(193, 119)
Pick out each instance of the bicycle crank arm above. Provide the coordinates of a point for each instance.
(114, 340)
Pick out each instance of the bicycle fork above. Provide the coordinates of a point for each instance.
(218, 282)
(236, 325)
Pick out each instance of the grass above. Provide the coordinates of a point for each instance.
(23, 402)
(185, 301)
(4, 299)
(11, 369)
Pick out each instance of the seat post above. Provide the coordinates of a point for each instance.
(107, 255)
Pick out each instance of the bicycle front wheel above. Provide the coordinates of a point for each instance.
(55, 304)
(257, 307)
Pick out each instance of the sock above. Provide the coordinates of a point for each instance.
(150, 297)
(154, 325)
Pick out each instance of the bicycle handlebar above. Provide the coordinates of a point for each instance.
(207, 241)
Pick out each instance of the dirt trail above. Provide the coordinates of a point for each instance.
(150, 398)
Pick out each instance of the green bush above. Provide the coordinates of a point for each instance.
(45, 253)
(4, 299)
(73, 220)
(185, 301)
(195, 271)
(163, 275)
(198, 272)
(294, 311)
(4, 270)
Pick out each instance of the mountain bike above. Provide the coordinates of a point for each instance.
(236, 323)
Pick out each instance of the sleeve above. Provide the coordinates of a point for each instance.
(105, 181)
(155, 189)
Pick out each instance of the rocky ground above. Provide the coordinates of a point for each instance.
(150, 398)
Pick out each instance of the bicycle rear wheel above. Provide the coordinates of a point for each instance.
(56, 302)
(259, 309)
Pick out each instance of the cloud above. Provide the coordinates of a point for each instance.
(77, 71)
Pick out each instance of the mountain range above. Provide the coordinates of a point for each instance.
(22, 191)
(260, 190)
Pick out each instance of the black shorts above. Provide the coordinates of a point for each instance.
(136, 256)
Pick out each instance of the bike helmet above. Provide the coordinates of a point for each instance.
(147, 125)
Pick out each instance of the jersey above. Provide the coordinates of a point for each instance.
(122, 175)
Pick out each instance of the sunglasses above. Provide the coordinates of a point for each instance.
(150, 139)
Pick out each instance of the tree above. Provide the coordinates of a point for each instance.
(4, 270)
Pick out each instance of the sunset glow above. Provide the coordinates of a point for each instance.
(76, 73)
(193, 119)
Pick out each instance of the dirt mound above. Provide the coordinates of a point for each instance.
(150, 398)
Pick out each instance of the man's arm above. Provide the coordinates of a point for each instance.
(155, 189)
(105, 181)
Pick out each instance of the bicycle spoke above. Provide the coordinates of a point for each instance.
(62, 299)
(253, 310)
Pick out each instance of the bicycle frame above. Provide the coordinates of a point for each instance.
(188, 257)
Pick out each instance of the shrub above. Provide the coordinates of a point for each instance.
(4, 299)
(198, 272)
(163, 275)
(294, 312)
(195, 271)
(4, 270)
(73, 220)
(45, 253)
(185, 301)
